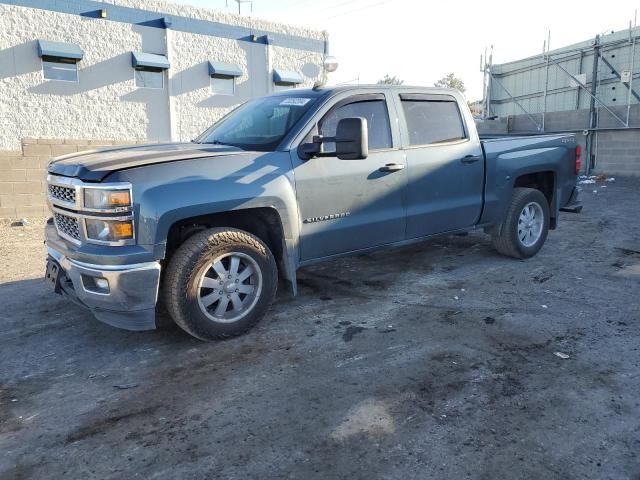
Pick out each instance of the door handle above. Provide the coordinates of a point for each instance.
(470, 159)
(391, 167)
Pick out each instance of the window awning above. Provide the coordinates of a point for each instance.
(142, 59)
(284, 77)
(224, 69)
(48, 48)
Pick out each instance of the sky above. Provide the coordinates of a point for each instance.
(421, 42)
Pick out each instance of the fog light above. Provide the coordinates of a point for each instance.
(95, 284)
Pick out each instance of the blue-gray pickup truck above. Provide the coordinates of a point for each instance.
(208, 228)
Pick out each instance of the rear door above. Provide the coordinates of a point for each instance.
(445, 164)
(348, 205)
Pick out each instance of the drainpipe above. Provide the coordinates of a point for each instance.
(175, 131)
(268, 42)
(325, 75)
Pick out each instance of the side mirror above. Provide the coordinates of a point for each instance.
(352, 141)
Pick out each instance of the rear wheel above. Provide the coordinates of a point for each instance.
(526, 225)
(220, 283)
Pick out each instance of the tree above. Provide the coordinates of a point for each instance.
(387, 80)
(451, 81)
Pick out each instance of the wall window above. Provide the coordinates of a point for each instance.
(375, 111)
(432, 122)
(149, 77)
(284, 79)
(279, 88)
(62, 69)
(223, 85)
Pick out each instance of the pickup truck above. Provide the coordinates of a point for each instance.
(209, 228)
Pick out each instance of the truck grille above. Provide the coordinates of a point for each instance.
(64, 194)
(67, 225)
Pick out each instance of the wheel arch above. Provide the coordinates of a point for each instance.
(545, 182)
(263, 222)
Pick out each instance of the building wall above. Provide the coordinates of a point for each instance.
(40, 119)
(617, 152)
(105, 102)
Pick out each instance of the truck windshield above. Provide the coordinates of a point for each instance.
(259, 124)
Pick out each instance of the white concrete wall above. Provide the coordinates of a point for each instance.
(97, 106)
(105, 103)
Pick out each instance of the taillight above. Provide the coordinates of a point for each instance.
(578, 159)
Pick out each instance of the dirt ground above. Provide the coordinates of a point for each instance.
(432, 361)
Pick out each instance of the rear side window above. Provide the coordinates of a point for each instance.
(375, 111)
(433, 121)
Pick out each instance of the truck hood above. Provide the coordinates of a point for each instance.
(95, 165)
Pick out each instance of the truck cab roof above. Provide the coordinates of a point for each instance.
(329, 90)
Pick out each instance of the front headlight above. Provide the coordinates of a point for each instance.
(107, 199)
(109, 230)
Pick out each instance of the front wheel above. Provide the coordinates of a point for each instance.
(526, 225)
(220, 283)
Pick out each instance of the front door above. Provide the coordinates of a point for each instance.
(445, 163)
(348, 205)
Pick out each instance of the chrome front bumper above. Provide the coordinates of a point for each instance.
(130, 300)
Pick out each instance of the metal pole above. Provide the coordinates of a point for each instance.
(546, 80)
(489, 77)
(578, 90)
(633, 60)
(483, 69)
(593, 119)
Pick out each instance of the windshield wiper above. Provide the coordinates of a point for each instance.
(218, 142)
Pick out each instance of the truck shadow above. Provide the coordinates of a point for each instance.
(30, 309)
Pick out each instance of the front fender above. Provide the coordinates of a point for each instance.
(166, 193)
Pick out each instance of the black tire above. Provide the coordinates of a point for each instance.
(506, 240)
(181, 288)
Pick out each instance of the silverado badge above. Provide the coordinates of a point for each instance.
(322, 218)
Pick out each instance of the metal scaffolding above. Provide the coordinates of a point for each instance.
(506, 84)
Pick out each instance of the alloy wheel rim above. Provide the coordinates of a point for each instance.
(229, 287)
(530, 223)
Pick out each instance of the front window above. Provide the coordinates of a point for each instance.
(259, 124)
(149, 77)
(375, 111)
(62, 69)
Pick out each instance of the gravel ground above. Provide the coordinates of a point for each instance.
(432, 361)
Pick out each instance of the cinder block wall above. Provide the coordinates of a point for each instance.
(23, 173)
(618, 152)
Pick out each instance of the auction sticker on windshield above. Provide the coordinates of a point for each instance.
(295, 101)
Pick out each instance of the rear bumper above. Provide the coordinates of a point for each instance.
(574, 205)
(130, 300)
